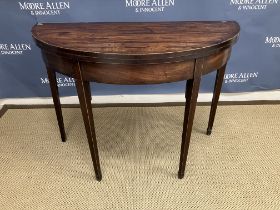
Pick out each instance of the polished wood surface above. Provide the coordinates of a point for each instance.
(136, 53)
(136, 42)
(136, 73)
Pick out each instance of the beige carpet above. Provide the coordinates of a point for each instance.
(237, 167)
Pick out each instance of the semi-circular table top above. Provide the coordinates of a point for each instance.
(169, 41)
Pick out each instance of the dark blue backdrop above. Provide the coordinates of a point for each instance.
(254, 64)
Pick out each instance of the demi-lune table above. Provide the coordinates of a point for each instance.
(134, 54)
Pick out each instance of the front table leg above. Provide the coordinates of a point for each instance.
(217, 90)
(85, 103)
(56, 101)
(192, 89)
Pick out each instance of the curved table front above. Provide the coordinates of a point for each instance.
(136, 53)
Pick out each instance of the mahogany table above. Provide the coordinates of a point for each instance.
(136, 53)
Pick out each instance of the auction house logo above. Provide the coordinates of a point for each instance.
(253, 4)
(149, 6)
(44, 8)
(61, 82)
(14, 49)
(273, 41)
(240, 77)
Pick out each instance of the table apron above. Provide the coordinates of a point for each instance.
(135, 73)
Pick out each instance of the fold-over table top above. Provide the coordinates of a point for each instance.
(136, 40)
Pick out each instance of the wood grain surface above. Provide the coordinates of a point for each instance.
(136, 41)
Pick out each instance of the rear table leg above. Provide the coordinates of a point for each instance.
(56, 101)
(217, 90)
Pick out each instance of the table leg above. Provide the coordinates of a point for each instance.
(192, 89)
(217, 90)
(88, 90)
(85, 103)
(56, 101)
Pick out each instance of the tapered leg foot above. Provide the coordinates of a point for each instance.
(217, 90)
(181, 175)
(99, 177)
(209, 131)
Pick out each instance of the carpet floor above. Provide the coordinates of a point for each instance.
(237, 167)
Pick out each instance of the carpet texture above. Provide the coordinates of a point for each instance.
(237, 167)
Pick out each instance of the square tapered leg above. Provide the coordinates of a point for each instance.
(56, 101)
(83, 89)
(192, 89)
(217, 90)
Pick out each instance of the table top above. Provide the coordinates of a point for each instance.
(137, 40)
